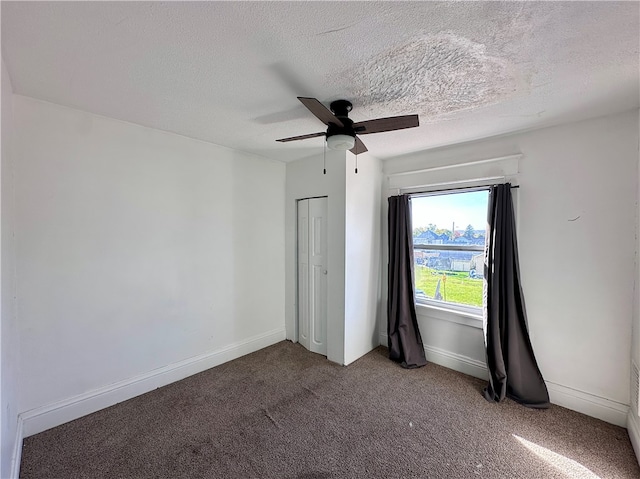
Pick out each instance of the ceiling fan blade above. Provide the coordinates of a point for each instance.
(358, 147)
(302, 137)
(320, 111)
(386, 124)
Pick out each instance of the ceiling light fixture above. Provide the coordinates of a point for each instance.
(341, 142)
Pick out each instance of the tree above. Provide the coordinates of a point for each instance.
(469, 232)
(419, 230)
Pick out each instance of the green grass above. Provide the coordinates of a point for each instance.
(457, 288)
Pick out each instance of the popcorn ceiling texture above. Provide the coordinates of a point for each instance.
(229, 72)
(434, 75)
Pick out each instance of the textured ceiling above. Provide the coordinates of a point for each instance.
(229, 72)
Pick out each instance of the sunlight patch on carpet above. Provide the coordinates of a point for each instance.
(560, 462)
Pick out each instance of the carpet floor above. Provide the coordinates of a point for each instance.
(283, 412)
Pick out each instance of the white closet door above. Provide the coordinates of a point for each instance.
(312, 274)
(303, 273)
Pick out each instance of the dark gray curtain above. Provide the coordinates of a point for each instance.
(513, 371)
(405, 342)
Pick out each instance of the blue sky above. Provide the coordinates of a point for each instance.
(443, 210)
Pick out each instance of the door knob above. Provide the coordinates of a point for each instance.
(324, 272)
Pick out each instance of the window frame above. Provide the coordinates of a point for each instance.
(459, 313)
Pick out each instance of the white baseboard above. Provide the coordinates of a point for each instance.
(17, 451)
(52, 415)
(633, 428)
(457, 362)
(451, 360)
(586, 403)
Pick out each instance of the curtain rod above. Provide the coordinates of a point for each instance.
(452, 190)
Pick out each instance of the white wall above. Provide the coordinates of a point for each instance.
(8, 323)
(362, 253)
(633, 420)
(306, 180)
(577, 274)
(137, 249)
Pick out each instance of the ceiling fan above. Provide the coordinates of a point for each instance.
(342, 132)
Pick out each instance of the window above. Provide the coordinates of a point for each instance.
(449, 231)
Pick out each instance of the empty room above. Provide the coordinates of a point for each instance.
(320, 239)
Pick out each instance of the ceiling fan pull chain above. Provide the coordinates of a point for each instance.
(356, 163)
(324, 158)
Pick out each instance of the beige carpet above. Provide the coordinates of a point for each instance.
(284, 412)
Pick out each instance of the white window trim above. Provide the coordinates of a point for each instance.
(480, 172)
(465, 315)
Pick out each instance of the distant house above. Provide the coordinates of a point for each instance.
(430, 237)
(477, 266)
(462, 240)
(478, 240)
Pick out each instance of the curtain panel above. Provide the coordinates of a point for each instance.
(405, 342)
(513, 370)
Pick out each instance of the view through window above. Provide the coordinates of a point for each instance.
(449, 231)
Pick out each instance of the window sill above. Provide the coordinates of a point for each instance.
(465, 318)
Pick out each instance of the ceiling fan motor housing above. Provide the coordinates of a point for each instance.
(341, 109)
